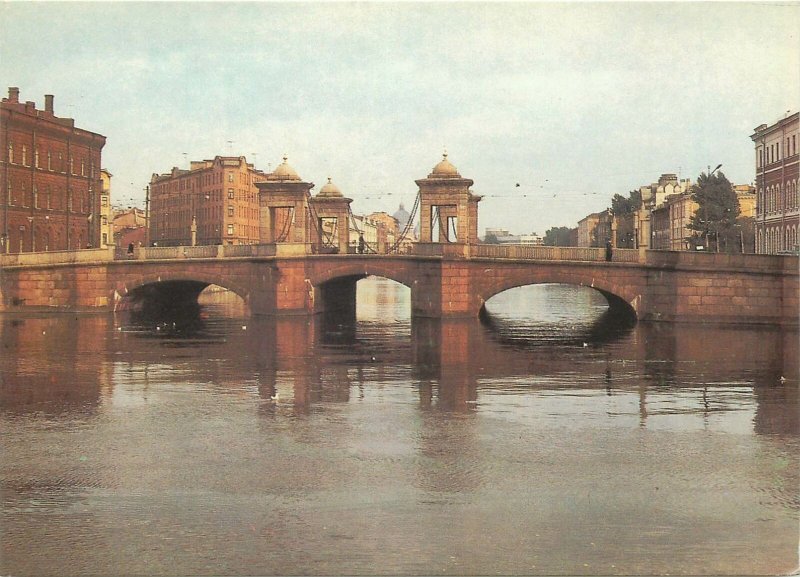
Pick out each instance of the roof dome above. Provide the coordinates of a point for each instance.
(285, 172)
(329, 190)
(444, 168)
(402, 216)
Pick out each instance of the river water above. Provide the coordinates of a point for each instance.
(546, 439)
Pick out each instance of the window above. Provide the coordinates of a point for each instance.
(71, 166)
(104, 200)
(24, 155)
(230, 193)
(35, 197)
(230, 177)
(36, 158)
(83, 168)
(230, 230)
(230, 210)
(49, 161)
(10, 153)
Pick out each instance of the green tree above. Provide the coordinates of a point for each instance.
(557, 236)
(621, 205)
(717, 210)
(491, 239)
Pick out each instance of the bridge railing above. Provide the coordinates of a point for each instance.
(700, 259)
(58, 257)
(524, 252)
(207, 251)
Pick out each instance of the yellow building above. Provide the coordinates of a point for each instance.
(106, 222)
(746, 195)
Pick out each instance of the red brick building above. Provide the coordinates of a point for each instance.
(777, 206)
(50, 178)
(214, 202)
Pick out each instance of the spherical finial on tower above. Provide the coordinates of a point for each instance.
(329, 190)
(284, 171)
(445, 168)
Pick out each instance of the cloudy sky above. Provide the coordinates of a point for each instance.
(575, 102)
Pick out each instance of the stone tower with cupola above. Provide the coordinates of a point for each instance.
(283, 203)
(448, 208)
(330, 211)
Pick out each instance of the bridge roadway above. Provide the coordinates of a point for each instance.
(446, 280)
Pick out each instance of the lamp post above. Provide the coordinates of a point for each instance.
(30, 224)
(146, 215)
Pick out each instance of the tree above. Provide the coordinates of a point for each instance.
(621, 205)
(558, 236)
(717, 210)
(491, 238)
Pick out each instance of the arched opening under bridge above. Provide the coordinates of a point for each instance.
(557, 313)
(179, 298)
(369, 305)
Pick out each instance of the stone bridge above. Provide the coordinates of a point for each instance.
(446, 279)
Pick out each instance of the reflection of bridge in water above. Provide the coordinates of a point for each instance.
(451, 364)
(300, 269)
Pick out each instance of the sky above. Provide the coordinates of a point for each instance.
(572, 101)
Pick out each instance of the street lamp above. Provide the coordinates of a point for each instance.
(705, 210)
(30, 223)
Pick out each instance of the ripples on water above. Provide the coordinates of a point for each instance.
(547, 438)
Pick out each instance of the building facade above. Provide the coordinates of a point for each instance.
(777, 211)
(129, 227)
(214, 202)
(106, 219)
(50, 174)
(596, 229)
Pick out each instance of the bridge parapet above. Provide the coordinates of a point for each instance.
(699, 260)
(565, 253)
(57, 257)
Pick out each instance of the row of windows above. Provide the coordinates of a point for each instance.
(196, 182)
(774, 239)
(778, 198)
(45, 198)
(216, 195)
(52, 161)
(41, 238)
(772, 153)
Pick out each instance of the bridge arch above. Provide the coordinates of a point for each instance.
(171, 288)
(622, 295)
(399, 270)
(334, 281)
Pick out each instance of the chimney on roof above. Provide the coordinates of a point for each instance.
(13, 94)
(48, 103)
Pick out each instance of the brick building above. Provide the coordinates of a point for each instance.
(214, 202)
(777, 210)
(50, 174)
